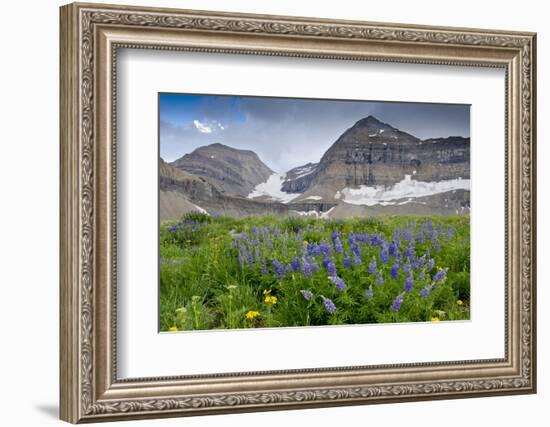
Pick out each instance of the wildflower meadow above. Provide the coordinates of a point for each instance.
(257, 272)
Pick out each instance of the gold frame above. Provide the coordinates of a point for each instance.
(90, 36)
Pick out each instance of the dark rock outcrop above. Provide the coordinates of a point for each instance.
(299, 179)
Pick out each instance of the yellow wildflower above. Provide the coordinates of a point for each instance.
(267, 291)
(270, 299)
(435, 319)
(252, 314)
(173, 329)
(459, 302)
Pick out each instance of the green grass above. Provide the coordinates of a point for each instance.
(203, 286)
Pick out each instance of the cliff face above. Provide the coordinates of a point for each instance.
(230, 170)
(373, 153)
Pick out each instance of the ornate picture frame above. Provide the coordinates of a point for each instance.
(90, 37)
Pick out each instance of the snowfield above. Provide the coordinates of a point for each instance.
(272, 189)
(407, 188)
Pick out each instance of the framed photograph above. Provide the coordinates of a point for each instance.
(266, 212)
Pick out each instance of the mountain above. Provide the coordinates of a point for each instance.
(182, 192)
(373, 168)
(372, 153)
(230, 170)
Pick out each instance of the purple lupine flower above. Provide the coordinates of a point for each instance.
(295, 263)
(325, 248)
(356, 260)
(314, 265)
(450, 233)
(307, 294)
(396, 304)
(431, 264)
(351, 239)
(279, 269)
(422, 261)
(369, 293)
(396, 234)
(372, 266)
(425, 292)
(440, 275)
(409, 251)
(335, 236)
(329, 305)
(407, 234)
(374, 239)
(384, 256)
(346, 261)
(338, 248)
(406, 267)
(331, 268)
(264, 267)
(250, 259)
(316, 250)
(408, 283)
(338, 282)
(356, 249)
(394, 272)
(325, 261)
(306, 268)
(379, 279)
(241, 260)
(392, 248)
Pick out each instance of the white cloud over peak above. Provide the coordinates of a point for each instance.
(208, 126)
(202, 127)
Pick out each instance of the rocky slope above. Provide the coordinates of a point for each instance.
(228, 169)
(182, 192)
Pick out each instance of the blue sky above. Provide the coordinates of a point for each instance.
(289, 132)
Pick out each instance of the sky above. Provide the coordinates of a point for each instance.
(290, 132)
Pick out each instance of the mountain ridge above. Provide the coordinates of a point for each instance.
(367, 158)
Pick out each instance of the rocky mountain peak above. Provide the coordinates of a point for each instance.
(230, 169)
(372, 122)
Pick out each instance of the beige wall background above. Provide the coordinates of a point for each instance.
(29, 170)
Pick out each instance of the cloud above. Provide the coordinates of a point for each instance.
(208, 126)
(202, 127)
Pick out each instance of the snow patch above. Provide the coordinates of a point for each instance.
(313, 198)
(407, 188)
(272, 189)
(314, 213)
(201, 210)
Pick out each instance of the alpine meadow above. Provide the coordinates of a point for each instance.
(286, 212)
